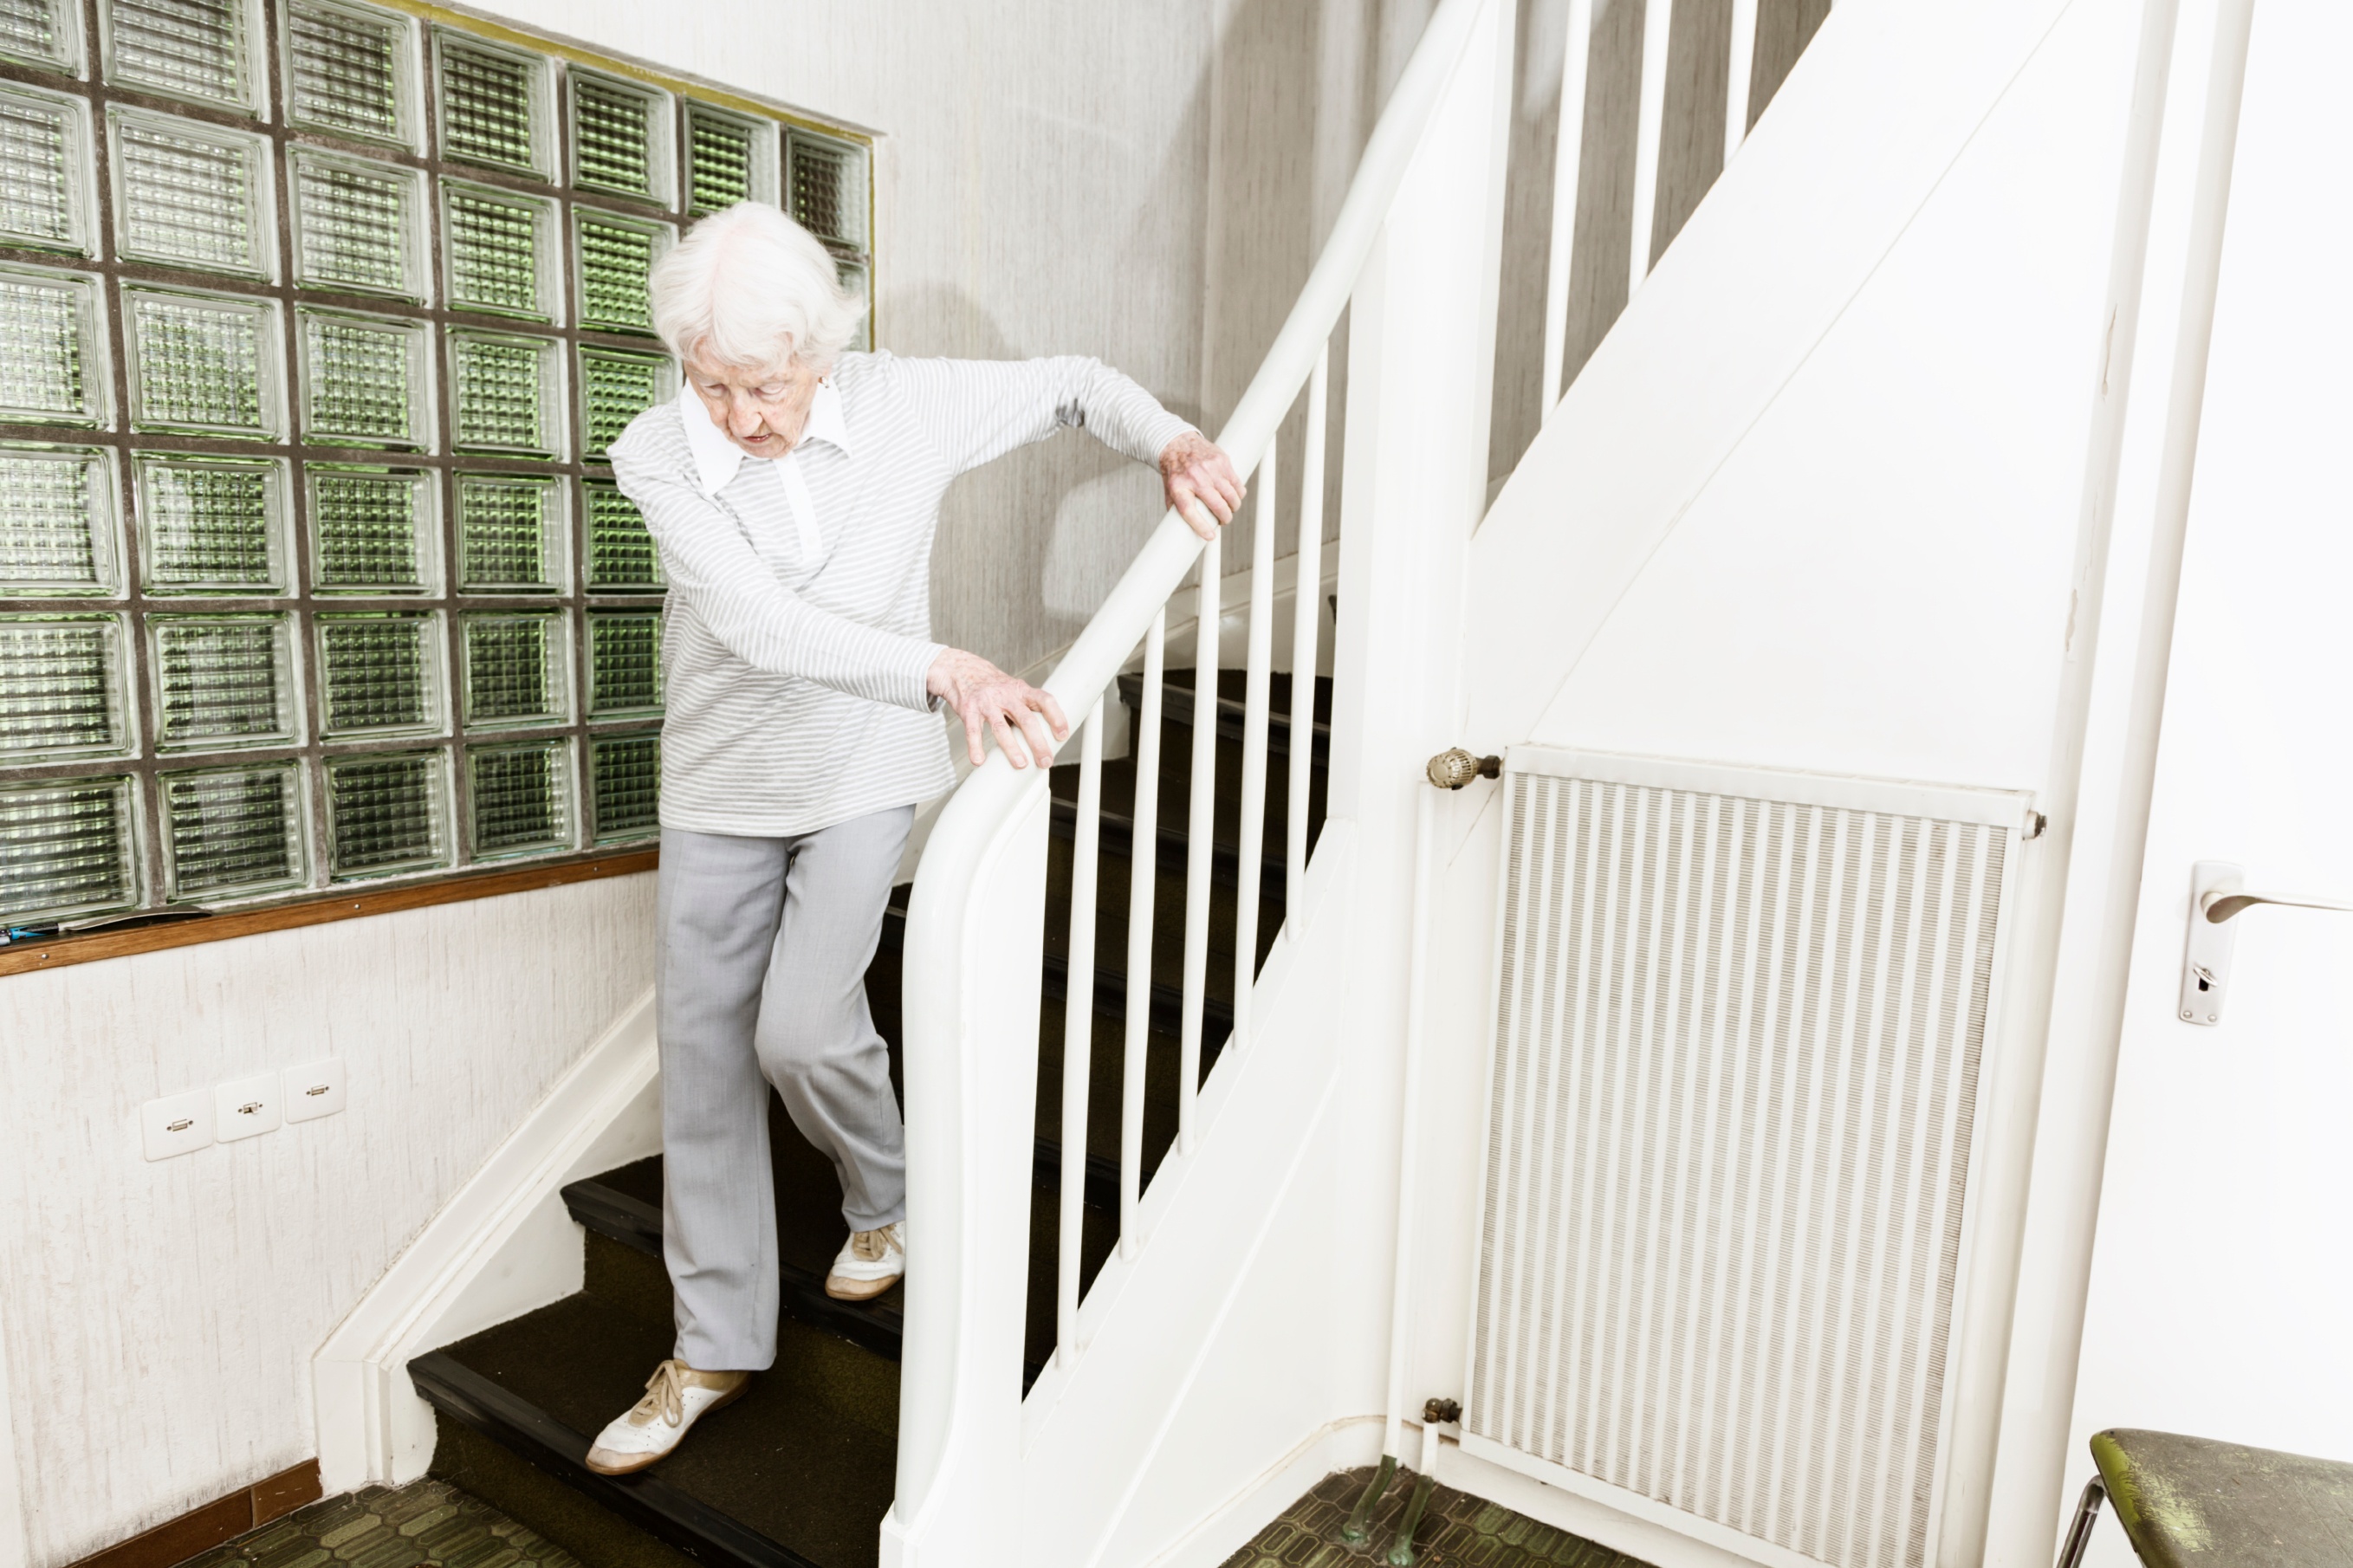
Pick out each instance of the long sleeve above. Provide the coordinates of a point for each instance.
(977, 410)
(713, 569)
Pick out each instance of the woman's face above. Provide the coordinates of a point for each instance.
(762, 411)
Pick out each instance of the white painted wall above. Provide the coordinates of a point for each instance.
(160, 1318)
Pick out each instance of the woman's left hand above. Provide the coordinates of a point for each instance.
(1202, 486)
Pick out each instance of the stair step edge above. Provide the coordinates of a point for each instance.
(644, 1501)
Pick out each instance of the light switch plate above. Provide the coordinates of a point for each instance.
(176, 1124)
(313, 1090)
(247, 1108)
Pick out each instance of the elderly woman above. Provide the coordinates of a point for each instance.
(793, 490)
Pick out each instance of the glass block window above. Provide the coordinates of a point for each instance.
(621, 558)
(192, 49)
(624, 772)
(521, 798)
(500, 249)
(46, 34)
(616, 387)
(234, 831)
(222, 681)
(364, 380)
(212, 525)
(510, 534)
(373, 531)
(191, 194)
(350, 71)
(358, 225)
(318, 319)
(45, 170)
(57, 520)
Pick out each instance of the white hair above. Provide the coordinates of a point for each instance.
(750, 288)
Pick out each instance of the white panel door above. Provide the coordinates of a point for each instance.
(2221, 1266)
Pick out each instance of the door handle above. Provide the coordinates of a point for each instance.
(2217, 896)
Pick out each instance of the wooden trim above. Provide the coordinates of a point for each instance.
(18, 958)
(202, 1528)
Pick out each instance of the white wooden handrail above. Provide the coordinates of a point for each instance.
(960, 1110)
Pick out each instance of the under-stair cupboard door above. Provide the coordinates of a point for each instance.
(2221, 1266)
(1739, 1027)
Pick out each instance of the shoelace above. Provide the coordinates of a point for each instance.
(871, 1245)
(665, 1394)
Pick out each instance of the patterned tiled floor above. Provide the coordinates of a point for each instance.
(428, 1524)
(1458, 1530)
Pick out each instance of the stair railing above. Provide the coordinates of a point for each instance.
(973, 954)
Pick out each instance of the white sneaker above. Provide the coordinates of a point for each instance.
(676, 1398)
(870, 1262)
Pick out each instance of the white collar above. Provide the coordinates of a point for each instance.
(716, 459)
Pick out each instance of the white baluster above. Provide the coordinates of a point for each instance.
(1658, 25)
(1201, 824)
(1737, 77)
(1306, 620)
(1143, 867)
(1568, 160)
(1249, 837)
(1077, 1028)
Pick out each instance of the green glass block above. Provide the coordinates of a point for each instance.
(203, 363)
(624, 661)
(234, 832)
(828, 188)
(621, 556)
(507, 392)
(379, 674)
(616, 387)
(510, 534)
(521, 798)
(195, 49)
(356, 226)
(616, 257)
(61, 687)
(619, 136)
(347, 71)
(212, 525)
(493, 105)
(57, 522)
(51, 372)
(387, 813)
(497, 247)
(852, 277)
(189, 195)
(514, 668)
(45, 33)
(371, 529)
(223, 680)
(68, 847)
(729, 159)
(363, 379)
(626, 774)
(44, 163)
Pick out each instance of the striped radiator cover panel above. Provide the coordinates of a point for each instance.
(1735, 1065)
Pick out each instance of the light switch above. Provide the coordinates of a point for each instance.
(247, 1108)
(176, 1124)
(313, 1090)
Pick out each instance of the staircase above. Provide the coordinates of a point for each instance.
(800, 1471)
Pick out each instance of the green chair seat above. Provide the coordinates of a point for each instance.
(2190, 1502)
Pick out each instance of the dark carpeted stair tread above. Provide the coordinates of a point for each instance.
(806, 1458)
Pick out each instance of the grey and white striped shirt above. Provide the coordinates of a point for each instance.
(796, 639)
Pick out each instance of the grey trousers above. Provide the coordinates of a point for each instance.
(761, 980)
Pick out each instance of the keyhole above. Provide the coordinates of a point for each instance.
(2205, 977)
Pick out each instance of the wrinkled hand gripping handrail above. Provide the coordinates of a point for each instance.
(980, 820)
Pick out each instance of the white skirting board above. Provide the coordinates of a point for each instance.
(505, 1246)
(1344, 1445)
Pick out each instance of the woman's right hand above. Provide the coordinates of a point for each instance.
(1026, 719)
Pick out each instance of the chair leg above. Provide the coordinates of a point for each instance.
(2079, 1533)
